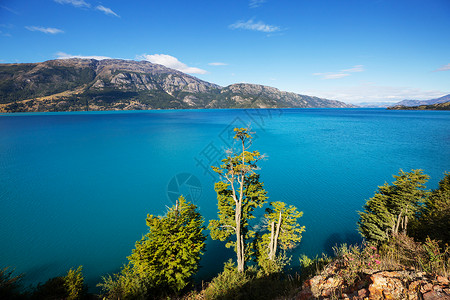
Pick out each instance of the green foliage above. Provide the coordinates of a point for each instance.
(9, 283)
(70, 287)
(434, 220)
(227, 283)
(52, 289)
(239, 193)
(74, 284)
(393, 206)
(232, 284)
(310, 267)
(282, 232)
(127, 285)
(165, 259)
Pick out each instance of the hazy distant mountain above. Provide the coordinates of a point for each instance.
(113, 84)
(376, 104)
(442, 99)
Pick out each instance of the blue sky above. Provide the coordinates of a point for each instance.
(349, 50)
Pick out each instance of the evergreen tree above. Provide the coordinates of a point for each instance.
(434, 220)
(238, 193)
(389, 211)
(165, 259)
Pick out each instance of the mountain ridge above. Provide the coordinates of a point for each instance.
(407, 102)
(113, 84)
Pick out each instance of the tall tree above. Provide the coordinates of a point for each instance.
(434, 220)
(282, 232)
(388, 212)
(239, 192)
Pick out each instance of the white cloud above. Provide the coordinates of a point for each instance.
(218, 64)
(369, 92)
(335, 76)
(76, 3)
(256, 3)
(357, 68)
(48, 30)
(170, 62)
(62, 55)
(443, 68)
(340, 74)
(106, 10)
(251, 25)
(84, 4)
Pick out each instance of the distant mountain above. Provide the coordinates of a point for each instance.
(113, 84)
(436, 106)
(375, 104)
(442, 99)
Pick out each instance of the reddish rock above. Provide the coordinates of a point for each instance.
(443, 280)
(426, 287)
(304, 295)
(386, 285)
(362, 293)
(434, 295)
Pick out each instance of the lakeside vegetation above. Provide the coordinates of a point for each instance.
(436, 106)
(404, 226)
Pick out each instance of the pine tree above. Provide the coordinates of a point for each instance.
(238, 193)
(388, 212)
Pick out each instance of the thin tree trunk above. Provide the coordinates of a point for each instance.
(239, 240)
(272, 236)
(275, 246)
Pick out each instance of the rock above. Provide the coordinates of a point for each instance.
(434, 295)
(426, 287)
(362, 293)
(442, 280)
(387, 285)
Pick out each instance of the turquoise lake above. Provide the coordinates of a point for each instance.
(75, 188)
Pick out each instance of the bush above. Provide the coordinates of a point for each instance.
(74, 284)
(9, 284)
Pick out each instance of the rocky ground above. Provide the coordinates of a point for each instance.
(374, 285)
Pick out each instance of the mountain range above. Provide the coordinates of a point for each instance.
(112, 84)
(442, 99)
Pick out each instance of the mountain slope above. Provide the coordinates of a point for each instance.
(436, 106)
(113, 84)
(442, 99)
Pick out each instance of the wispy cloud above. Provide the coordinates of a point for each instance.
(9, 9)
(170, 62)
(47, 30)
(258, 26)
(62, 55)
(341, 73)
(443, 68)
(357, 68)
(256, 3)
(84, 4)
(5, 34)
(106, 10)
(369, 92)
(76, 3)
(218, 64)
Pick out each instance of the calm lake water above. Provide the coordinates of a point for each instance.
(75, 188)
